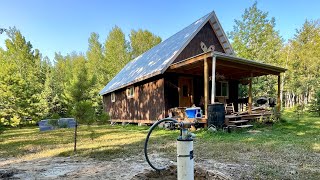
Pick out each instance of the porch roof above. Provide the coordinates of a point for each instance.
(231, 67)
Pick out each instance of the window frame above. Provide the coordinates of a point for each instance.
(130, 90)
(113, 97)
(221, 89)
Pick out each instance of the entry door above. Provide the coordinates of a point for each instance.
(185, 92)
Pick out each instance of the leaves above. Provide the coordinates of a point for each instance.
(141, 41)
(34, 86)
(254, 37)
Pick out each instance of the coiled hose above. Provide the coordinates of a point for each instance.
(147, 140)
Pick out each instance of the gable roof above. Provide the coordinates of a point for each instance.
(156, 60)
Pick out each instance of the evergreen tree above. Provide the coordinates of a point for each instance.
(77, 92)
(20, 85)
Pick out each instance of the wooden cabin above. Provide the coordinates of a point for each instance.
(179, 71)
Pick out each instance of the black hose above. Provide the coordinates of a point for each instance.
(147, 140)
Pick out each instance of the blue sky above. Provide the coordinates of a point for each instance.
(65, 25)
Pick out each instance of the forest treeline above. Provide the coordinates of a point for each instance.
(36, 87)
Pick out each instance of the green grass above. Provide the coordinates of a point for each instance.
(288, 149)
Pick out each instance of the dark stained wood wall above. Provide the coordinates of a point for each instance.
(147, 103)
(206, 35)
(171, 93)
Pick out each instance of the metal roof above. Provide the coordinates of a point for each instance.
(156, 60)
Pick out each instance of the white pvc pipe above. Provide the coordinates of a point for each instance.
(213, 79)
(185, 161)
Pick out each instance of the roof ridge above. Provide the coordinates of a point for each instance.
(157, 59)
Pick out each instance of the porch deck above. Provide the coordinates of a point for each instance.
(230, 120)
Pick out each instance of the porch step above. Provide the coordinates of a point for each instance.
(238, 121)
(245, 126)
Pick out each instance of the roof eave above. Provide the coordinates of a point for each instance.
(132, 82)
(251, 62)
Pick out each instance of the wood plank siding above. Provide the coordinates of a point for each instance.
(146, 104)
(206, 35)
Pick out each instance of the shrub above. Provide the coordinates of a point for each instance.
(63, 125)
(15, 121)
(103, 118)
(315, 104)
(53, 122)
(298, 109)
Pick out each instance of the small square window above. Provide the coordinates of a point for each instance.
(130, 92)
(222, 89)
(113, 97)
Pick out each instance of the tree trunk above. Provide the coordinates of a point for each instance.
(75, 138)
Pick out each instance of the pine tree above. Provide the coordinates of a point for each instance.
(20, 85)
(77, 91)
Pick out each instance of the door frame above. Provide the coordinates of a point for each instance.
(180, 90)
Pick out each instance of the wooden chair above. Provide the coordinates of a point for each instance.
(229, 108)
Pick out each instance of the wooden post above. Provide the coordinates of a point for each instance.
(75, 137)
(206, 87)
(278, 98)
(250, 96)
(213, 80)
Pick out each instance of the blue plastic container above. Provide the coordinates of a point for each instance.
(194, 112)
(44, 126)
(68, 122)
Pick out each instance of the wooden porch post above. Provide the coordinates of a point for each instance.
(250, 95)
(206, 82)
(213, 80)
(278, 98)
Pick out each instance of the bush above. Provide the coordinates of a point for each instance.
(83, 112)
(298, 109)
(1, 128)
(53, 122)
(315, 104)
(103, 118)
(63, 125)
(12, 121)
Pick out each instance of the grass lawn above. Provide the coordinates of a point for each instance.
(288, 149)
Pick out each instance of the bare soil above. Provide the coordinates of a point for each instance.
(78, 168)
(135, 167)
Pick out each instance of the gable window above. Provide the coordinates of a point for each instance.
(130, 92)
(222, 89)
(113, 97)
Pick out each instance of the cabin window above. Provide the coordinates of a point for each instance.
(222, 89)
(113, 97)
(130, 92)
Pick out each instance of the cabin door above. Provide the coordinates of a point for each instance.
(185, 92)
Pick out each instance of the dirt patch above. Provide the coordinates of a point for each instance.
(135, 167)
(5, 174)
(79, 168)
(171, 174)
(73, 168)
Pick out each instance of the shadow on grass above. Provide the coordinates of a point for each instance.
(109, 152)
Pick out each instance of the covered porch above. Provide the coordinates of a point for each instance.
(197, 75)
